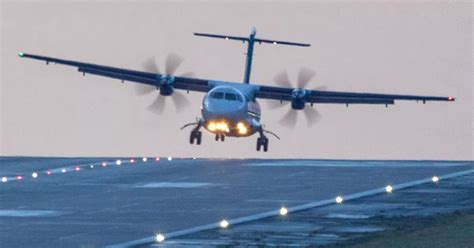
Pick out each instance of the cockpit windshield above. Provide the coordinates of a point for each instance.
(227, 96)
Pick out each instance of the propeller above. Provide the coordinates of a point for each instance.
(172, 62)
(304, 77)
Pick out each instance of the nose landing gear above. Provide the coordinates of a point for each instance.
(220, 137)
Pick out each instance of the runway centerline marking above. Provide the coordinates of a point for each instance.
(276, 212)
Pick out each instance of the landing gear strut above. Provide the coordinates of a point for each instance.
(262, 141)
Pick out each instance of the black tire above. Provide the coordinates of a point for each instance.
(258, 144)
(217, 137)
(191, 138)
(265, 145)
(199, 136)
(222, 138)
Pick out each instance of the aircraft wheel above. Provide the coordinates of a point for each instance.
(259, 144)
(265, 145)
(191, 138)
(217, 137)
(222, 137)
(199, 137)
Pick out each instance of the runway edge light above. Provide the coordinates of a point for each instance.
(283, 211)
(160, 237)
(224, 224)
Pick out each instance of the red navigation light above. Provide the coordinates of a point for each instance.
(19, 177)
(450, 98)
(48, 173)
(78, 168)
(157, 159)
(132, 160)
(104, 164)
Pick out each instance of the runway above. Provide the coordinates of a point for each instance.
(83, 203)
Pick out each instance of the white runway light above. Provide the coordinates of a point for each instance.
(283, 211)
(63, 170)
(4, 179)
(435, 179)
(160, 237)
(224, 224)
(34, 175)
(339, 200)
(388, 189)
(118, 162)
(144, 159)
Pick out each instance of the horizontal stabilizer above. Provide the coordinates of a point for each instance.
(258, 40)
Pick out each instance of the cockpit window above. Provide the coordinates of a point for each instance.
(218, 95)
(239, 98)
(230, 97)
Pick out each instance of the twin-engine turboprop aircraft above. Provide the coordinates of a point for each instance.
(231, 109)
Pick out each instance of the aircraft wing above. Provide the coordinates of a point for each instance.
(142, 77)
(338, 97)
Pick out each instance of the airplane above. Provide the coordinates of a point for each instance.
(231, 109)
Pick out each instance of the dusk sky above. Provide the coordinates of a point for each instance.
(404, 47)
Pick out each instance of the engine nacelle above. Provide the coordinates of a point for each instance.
(298, 100)
(166, 85)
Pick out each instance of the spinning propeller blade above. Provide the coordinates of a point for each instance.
(173, 61)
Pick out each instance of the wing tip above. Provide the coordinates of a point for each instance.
(21, 54)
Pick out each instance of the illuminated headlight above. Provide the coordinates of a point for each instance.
(242, 128)
(211, 126)
(218, 126)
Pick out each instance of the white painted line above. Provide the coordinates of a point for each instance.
(232, 222)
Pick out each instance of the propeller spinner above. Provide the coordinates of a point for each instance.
(298, 98)
(172, 62)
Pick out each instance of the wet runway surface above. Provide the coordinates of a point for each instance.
(98, 206)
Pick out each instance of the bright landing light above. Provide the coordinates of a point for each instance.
(63, 170)
(170, 158)
(283, 211)
(435, 179)
(224, 224)
(4, 179)
(388, 189)
(160, 237)
(144, 159)
(118, 162)
(339, 200)
(34, 175)
(242, 128)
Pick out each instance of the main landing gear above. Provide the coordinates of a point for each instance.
(262, 141)
(196, 135)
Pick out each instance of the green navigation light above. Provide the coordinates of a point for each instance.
(21, 54)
